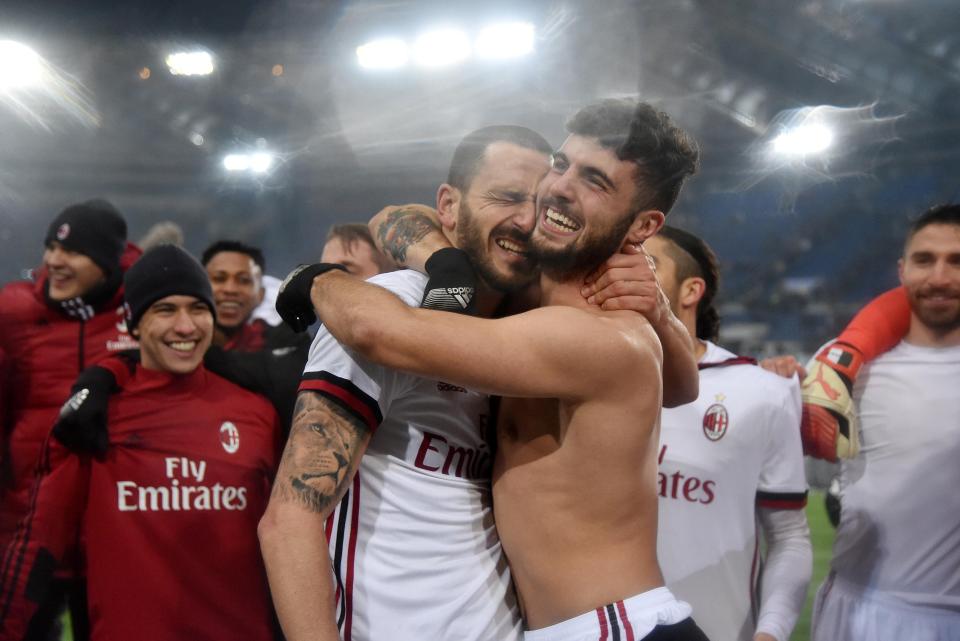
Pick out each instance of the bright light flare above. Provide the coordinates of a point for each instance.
(257, 163)
(190, 63)
(20, 66)
(388, 53)
(260, 163)
(441, 48)
(804, 140)
(507, 40)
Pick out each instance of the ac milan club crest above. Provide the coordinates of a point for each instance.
(715, 422)
(229, 437)
(63, 231)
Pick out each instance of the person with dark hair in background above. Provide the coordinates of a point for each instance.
(167, 515)
(895, 572)
(730, 460)
(69, 317)
(573, 481)
(351, 245)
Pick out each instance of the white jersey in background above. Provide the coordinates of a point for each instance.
(734, 449)
(897, 548)
(415, 552)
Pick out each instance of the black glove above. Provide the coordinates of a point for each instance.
(453, 282)
(82, 426)
(293, 301)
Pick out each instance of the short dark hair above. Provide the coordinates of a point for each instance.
(234, 246)
(352, 233)
(694, 258)
(945, 214)
(469, 153)
(663, 153)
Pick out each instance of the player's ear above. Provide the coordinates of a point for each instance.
(900, 270)
(448, 206)
(691, 291)
(646, 224)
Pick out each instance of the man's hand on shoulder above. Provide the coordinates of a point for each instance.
(785, 366)
(82, 424)
(628, 280)
(293, 300)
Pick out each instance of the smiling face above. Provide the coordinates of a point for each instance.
(174, 334)
(496, 215)
(930, 272)
(237, 287)
(585, 206)
(69, 273)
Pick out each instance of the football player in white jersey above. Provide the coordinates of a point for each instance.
(728, 461)
(575, 473)
(895, 572)
(414, 549)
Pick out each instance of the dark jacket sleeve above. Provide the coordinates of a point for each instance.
(273, 372)
(44, 538)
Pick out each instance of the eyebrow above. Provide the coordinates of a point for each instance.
(507, 194)
(597, 173)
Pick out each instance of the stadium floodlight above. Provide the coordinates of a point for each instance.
(261, 162)
(506, 40)
(387, 53)
(20, 66)
(190, 63)
(803, 140)
(441, 48)
(236, 162)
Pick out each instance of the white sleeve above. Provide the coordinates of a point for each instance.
(787, 570)
(359, 386)
(782, 483)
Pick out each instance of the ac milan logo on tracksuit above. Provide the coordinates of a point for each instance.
(715, 422)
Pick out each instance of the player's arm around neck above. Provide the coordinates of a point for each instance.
(409, 234)
(317, 467)
(550, 352)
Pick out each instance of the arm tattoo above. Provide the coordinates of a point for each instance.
(401, 229)
(324, 448)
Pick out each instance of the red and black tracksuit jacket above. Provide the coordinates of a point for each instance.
(44, 350)
(168, 518)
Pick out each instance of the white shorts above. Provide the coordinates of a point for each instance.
(846, 612)
(631, 618)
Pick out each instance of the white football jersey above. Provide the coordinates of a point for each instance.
(415, 552)
(900, 519)
(737, 446)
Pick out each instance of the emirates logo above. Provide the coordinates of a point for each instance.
(229, 437)
(63, 231)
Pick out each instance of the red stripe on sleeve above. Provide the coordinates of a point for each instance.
(355, 404)
(783, 504)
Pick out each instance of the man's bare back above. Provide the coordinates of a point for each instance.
(562, 474)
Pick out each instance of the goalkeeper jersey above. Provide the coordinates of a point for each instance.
(734, 448)
(169, 517)
(416, 556)
(899, 529)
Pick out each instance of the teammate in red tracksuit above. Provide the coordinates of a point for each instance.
(48, 341)
(169, 514)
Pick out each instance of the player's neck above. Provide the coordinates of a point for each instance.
(923, 335)
(566, 293)
(488, 300)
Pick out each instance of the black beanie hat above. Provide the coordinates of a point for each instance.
(165, 270)
(94, 228)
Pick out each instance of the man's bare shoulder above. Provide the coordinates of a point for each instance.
(621, 338)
